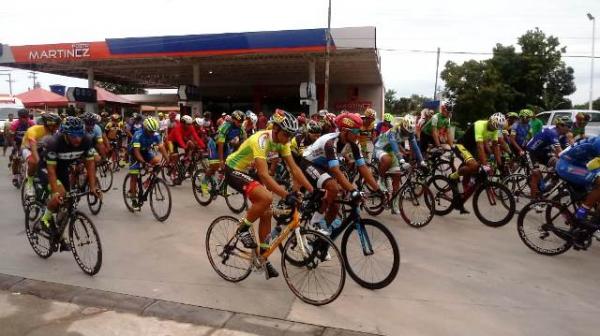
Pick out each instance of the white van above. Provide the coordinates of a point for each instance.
(592, 128)
(8, 104)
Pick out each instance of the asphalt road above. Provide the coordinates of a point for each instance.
(457, 276)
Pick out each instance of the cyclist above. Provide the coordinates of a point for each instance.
(29, 146)
(578, 128)
(580, 165)
(541, 149)
(255, 151)
(69, 146)
(367, 131)
(230, 135)
(321, 165)
(474, 141)
(426, 114)
(328, 122)
(436, 130)
(388, 150)
(305, 139)
(95, 132)
(384, 125)
(536, 124)
(519, 132)
(16, 133)
(142, 153)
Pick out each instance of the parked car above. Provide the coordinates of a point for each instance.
(8, 104)
(592, 128)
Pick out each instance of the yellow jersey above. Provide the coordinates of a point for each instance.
(33, 134)
(258, 146)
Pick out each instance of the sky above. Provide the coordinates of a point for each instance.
(458, 25)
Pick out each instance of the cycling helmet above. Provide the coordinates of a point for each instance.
(323, 113)
(98, 118)
(253, 118)
(151, 124)
(238, 115)
(427, 113)
(497, 120)
(172, 114)
(72, 126)
(562, 120)
(285, 120)
(115, 117)
(348, 120)
(313, 127)
(388, 117)
(104, 114)
(206, 115)
(512, 115)
(22, 113)
(369, 113)
(409, 123)
(227, 118)
(331, 117)
(526, 113)
(187, 119)
(301, 119)
(199, 122)
(161, 115)
(88, 118)
(51, 119)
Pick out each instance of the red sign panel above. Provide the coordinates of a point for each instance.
(353, 106)
(60, 52)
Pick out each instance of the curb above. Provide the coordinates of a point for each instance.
(167, 310)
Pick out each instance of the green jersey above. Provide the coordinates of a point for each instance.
(439, 121)
(536, 126)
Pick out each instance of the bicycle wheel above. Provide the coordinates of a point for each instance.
(543, 227)
(443, 167)
(160, 200)
(375, 268)
(170, 174)
(125, 192)
(320, 277)
(104, 177)
(226, 254)
(416, 204)
(202, 197)
(94, 203)
(442, 194)
(85, 243)
(496, 207)
(39, 240)
(236, 201)
(518, 185)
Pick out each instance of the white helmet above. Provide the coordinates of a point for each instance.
(253, 117)
(199, 122)
(187, 119)
(497, 120)
(323, 113)
(409, 123)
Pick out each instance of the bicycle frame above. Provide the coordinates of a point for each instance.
(354, 218)
(143, 194)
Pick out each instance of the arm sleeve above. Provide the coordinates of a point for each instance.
(197, 139)
(357, 155)
(330, 155)
(177, 133)
(135, 142)
(415, 148)
(222, 133)
(51, 156)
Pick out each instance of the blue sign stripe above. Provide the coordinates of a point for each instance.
(216, 42)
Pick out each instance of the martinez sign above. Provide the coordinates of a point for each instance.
(77, 50)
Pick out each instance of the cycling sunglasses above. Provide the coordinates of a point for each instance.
(355, 131)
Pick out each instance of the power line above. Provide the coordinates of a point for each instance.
(422, 51)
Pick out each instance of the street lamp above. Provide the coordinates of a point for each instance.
(593, 19)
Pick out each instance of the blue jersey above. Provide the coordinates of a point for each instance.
(582, 151)
(144, 141)
(521, 131)
(545, 139)
(95, 133)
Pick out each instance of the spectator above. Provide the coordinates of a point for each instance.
(261, 124)
(7, 141)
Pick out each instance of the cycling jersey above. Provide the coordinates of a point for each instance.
(382, 127)
(521, 132)
(33, 135)
(60, 153)
(19, 128)
(439, 121)
(144, 141)
(228, 132)
(536, 126)
(213, 153)
(544, 140)
(582, 151)
(114, 129)
(325, 150)
(95, 134)
(390, 142)
(573, 161)
(299, 143)
(180, 134)
(258, 146)
(478, 132)
(365, 132)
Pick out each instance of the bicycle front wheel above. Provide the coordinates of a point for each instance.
(441, 189)
(493, 204)
(160, 200)
(94, 203)
(518, 185)
(125, 190)
(203, 197)
(416, 204)
(39, 240)
(543, 227)
(320, 276)
(105, 177)
(85, 243)
(236, 201)
(371, 254)
(226, 254)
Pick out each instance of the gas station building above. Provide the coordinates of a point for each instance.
(259, 71)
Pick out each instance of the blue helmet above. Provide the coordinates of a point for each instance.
(72, 126)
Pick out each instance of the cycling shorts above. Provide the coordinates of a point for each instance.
(25, 153)
(395, 167)
(577, 174)
(317, 176)
(463, 153)
(240, 181)
(135, 165)
(540, 157)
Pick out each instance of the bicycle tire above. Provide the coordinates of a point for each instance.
(125, 192)
(410, 195)
(544, 230)
(89, 231)
(23, 198)
(105, 180)
(235, 208)
(479, 212)
(199, 174)
(216, 260)
(440, 187)
(443, 167)
(34, 232)
(350, 266)
(324, 252)
(167, 174)
(160, 191)
(94, 203)
(518, 185)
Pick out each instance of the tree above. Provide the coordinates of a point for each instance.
(403, 105)
(390, 100)
(121, 88)
(585, 106)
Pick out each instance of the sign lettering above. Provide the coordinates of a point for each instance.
(77, 50)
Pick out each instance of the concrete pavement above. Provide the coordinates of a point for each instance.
(456, 276)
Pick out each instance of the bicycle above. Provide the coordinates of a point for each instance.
(152, 188)
(305, 253)
(236, 201)
(448, 197)
(83, 239)
(183, 168)
(105, 175)
(118, 155)
(370, 251)
(15, 159)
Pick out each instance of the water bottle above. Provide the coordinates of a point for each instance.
(336, 223)
(273, 234)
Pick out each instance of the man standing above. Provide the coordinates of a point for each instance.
(7, 139)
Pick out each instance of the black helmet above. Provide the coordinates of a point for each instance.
(88, 118)
(23, 113)
(72, 126)
(238, 115)
(51, 119)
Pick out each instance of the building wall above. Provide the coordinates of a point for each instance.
(355, 98)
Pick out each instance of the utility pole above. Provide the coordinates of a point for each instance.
(593, 19)
(10, 81)
(326, 95)
(34, 77)
(437, 69)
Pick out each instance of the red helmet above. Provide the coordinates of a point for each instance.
(348, 120)
(301, 119)
(172, 114)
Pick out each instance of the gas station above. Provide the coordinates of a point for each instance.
(259, 71)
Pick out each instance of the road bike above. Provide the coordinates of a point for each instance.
(149, 187)
(207, 189)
